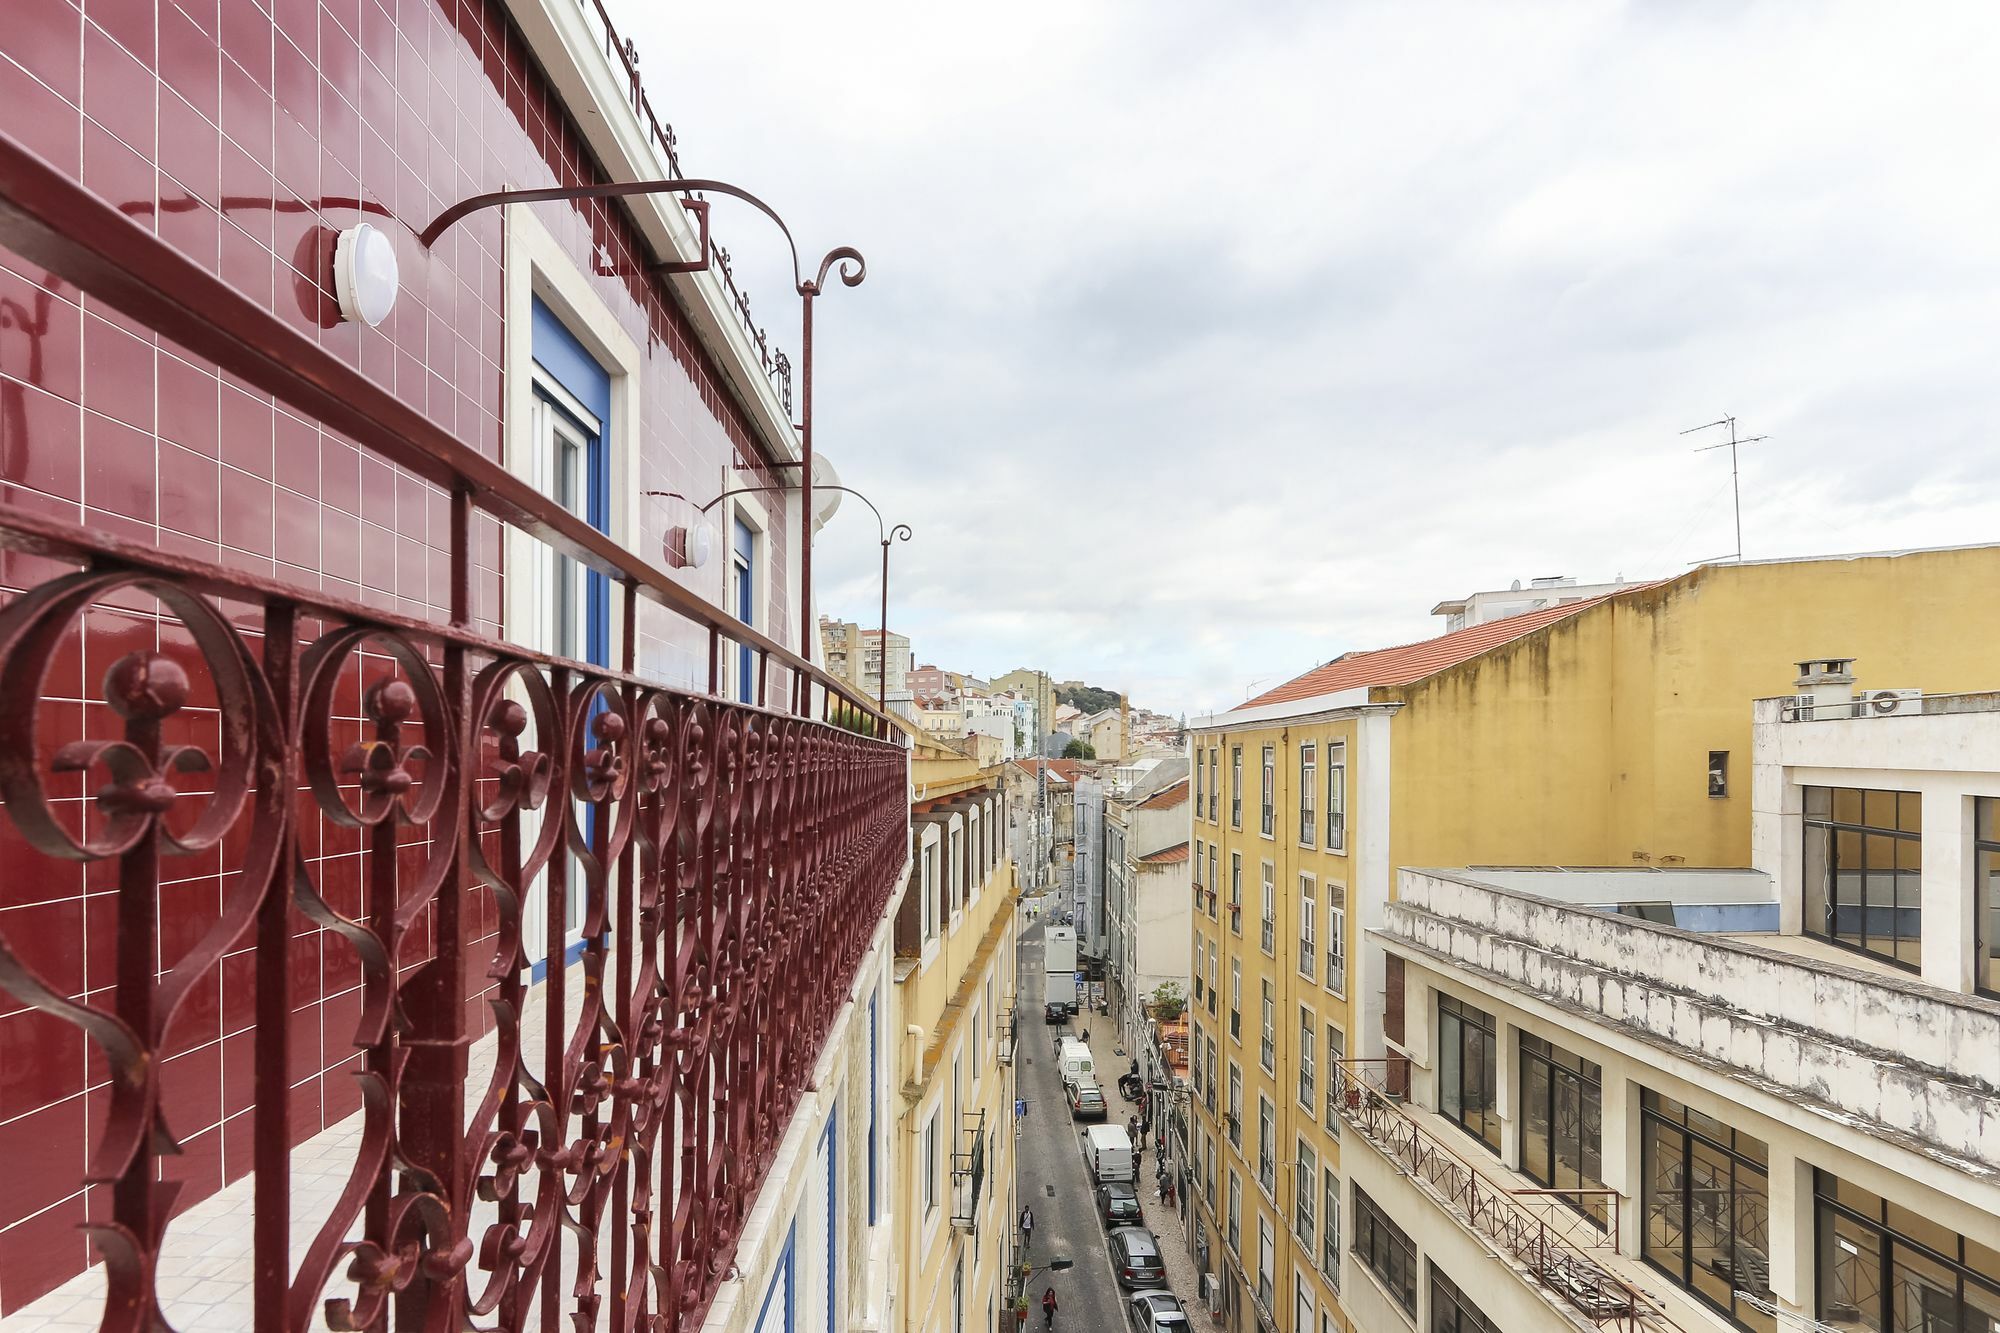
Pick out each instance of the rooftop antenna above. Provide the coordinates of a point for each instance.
(1735, 490)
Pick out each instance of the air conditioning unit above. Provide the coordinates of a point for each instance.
(1798, 708)
(1885, 703)
(1211, 1289)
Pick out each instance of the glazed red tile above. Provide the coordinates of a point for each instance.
(46, 40)
(190, 61)
(118, 89)
(294, 81)
(119, 472)
(47, 937)
(247, 108)
(41, 1061)
(246, 39)
(114, 172)
(132, 25)
(239, 1072)
(117, 373)
(197, 1168)
(38, 1254)
(297, 529)
(190, 493)
(41, 441)
(190, 149)
(44, 1155)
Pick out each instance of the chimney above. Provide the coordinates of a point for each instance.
(1826, 688)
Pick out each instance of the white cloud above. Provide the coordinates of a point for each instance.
(1201, 343)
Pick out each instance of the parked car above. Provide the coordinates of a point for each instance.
(1118, 1203)
(1086, 1101)
(1155, 1312)
(1135, 1258)
(1053, 1014)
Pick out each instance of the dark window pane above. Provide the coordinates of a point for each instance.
(1535, 1155)
(1665, 1216)
(1850, 1273)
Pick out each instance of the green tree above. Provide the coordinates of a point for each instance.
(1079, 750)
(1168, 1001)
(1088, 698)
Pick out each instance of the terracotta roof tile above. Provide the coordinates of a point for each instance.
(1166, 856)
(1414, 661)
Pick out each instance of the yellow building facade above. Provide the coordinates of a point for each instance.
(1611, 732)
(954, 1087)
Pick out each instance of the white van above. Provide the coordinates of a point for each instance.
(1107, 1152)
(1074, 1064)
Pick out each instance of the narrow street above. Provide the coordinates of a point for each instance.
(1055, 1184)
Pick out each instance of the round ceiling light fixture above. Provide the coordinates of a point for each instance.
(364, 274)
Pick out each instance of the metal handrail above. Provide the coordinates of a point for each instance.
(50, 218)
(1566, 1271)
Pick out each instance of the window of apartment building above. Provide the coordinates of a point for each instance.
(1197, 786)
(1882, 1266)
(1707, 1218)
(1986, 899)
(1211, 1068)
(1214, 957)
(1308, 797)
(1267, 1147)
(1305, 1189)
(1236, 786)
(1308, 933)
(1336, 1051)
(1267, 807)
(1336, 795)
(955, 869)
(1235, 1218)
(1452, 1311)
(1200, 953)
(1329, 1227)
(1236, 998)
(931, 1164)
(1214, 1150)
(1863, 865)
(1467, 1070)
(1269, 929)
(1562, 1123)
(1213, 794)
(928, 882)
(1213, 884)
(1267, 1044)
(1384, 1249)
(1236, 892)
(1267, 1263)
(1196, 872)
(1235, 1106)
(1308, 1025)
(1336, 938)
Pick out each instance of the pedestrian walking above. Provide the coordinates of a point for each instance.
(1027, 1226)
(1049, 1308)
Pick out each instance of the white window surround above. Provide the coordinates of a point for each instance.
(536, 265)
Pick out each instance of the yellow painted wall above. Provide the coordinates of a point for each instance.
(1586, 743)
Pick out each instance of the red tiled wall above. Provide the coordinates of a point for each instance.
(247, 138)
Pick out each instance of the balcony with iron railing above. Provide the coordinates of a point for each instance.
(527, 1153)
(1571, 1262)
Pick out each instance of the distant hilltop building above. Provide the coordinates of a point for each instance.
(1539, 595)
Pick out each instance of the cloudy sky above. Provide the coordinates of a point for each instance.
(1203, 342)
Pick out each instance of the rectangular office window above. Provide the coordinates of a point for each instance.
(1863, 867)
(1986, 897)
(1336, 938)
(1236, 786)
(1707, 1222)
(1336, 796)
(1308, 930)
(1467, 1070)
(1562, 1124)
(1267, 1045)
(1329, 1237)
(1236, 892)
(1305, 1189)
(1267, 807)
(1384, 1249)
(1337, 1081)
(1308, 1028)
(1452, 1311)
(1267, 1147)
(1882, 1266)
(1308, 775)
(1267, 1263)
(1269, 929)
(1235, 1106)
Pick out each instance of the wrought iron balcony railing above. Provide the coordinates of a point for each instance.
(1567, 1271)
(728, 863)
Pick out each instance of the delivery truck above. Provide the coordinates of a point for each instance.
(1059, 973)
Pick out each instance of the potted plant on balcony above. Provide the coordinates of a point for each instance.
(1168, 1003)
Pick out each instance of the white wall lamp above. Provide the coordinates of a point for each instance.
(364, 274)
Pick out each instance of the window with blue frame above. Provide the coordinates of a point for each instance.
(569, 426)
(743, 602)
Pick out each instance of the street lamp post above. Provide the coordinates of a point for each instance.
(852, 268)
(899, 533)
